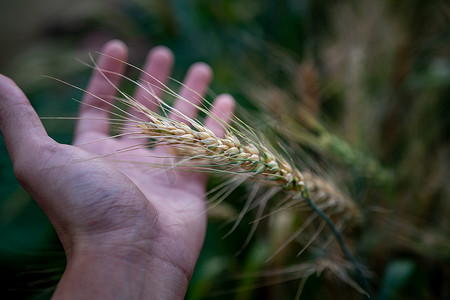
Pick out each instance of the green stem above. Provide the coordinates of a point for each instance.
(340, 239)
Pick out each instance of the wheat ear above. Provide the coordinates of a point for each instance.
(239, 156)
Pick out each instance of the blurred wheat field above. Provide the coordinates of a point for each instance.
(355, 91)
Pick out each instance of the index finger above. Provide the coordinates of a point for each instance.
(102, 87)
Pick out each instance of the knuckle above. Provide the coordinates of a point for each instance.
(29, 164)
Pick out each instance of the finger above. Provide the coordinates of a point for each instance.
(22, 130)
(97, 102)
(191, 95)
(221, 114)
(151, 84)
(159, 65)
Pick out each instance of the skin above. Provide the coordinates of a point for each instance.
(129, 231)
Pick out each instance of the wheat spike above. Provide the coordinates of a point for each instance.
(242, 156)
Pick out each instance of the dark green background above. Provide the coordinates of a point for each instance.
(398, 53)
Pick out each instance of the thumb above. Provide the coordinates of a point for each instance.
(19, 123)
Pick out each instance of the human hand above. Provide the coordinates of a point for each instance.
(129, 231)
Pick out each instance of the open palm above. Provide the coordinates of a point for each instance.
(151, 218)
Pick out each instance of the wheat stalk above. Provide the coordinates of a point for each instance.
(237, 154)
(240, 155)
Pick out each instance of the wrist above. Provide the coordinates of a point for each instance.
(121, 273)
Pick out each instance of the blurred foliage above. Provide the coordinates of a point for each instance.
(363, 87)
